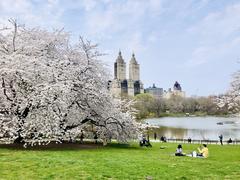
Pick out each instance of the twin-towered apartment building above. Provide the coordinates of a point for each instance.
(120, 85)
(132, 86)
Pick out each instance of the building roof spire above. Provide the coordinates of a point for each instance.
(119, 52)
(133, 59)
(177, 86)
(119, 58)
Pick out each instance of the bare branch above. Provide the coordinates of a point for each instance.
(14, 23)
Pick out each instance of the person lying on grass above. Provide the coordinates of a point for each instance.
(203, 152)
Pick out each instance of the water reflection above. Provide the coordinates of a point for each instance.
(196, 127)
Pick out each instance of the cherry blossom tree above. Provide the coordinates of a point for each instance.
(52, 90)
(231, 100)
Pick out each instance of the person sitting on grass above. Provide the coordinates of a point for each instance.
(145, 142)
(229, 141)
(179, 151)
(163, 139)
(203, 152)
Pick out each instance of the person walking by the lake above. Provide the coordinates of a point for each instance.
(221, 139)
(155, 135)
(189, 140)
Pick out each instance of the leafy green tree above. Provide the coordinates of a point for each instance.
(144, 105)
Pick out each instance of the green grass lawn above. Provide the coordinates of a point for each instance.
(120, 162)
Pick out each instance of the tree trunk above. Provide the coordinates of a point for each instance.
(19, 139)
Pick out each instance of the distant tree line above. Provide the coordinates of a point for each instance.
(149, 106)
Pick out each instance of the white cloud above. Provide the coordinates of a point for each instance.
(220, 52)
(222, 23)
(89, 4)
(199, 56)
(136, 42)
(12, 6)
(218, 35)
(47, 14)
(102, 18)
(119, 16)
(123, 23)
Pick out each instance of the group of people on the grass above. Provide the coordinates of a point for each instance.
(202, 152)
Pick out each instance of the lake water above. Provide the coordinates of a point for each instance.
(197, 127)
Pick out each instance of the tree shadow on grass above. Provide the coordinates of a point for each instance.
(122, 146)
(52, 146)
(68, 146)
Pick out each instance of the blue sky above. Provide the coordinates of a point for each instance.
(196, 42)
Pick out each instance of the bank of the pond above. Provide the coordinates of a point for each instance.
(196, 114)
(120, 162)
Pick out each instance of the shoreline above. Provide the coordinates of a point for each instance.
(189, 115)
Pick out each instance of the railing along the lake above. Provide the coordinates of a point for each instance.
(203, 141)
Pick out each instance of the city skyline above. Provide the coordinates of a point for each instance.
(193, 42)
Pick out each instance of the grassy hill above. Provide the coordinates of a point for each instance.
(118, 162)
